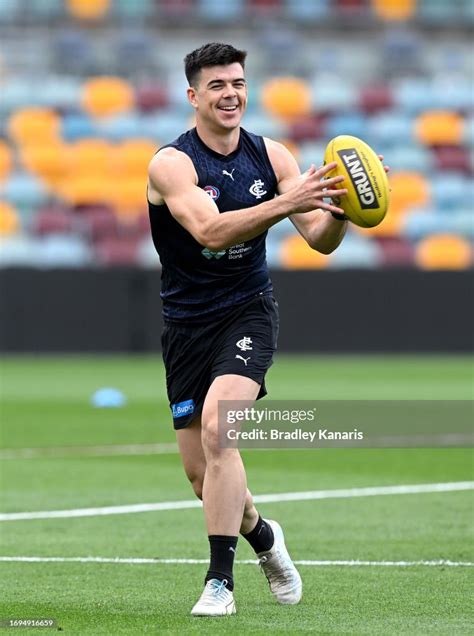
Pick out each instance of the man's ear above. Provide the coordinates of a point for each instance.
(192, 96)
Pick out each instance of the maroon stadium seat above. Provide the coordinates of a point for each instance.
(99, 222)
(452, 159)
(375, 98)
(307, 129)
(150, 97)
(53, 220)
(396, 251)
(121, 250)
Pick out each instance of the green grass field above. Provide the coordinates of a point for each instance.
(45, 406)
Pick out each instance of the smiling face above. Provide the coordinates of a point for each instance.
(219, 97)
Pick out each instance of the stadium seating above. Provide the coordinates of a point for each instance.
(439, 128)
(6, 160)
(133, 10)
(34, 125)
(80, 122)
(57, 250)
(286, 97)
(356, 251)
(117, 251)
(88, 9)
(25, 192)
(443, 252)
(52, 220)
(104, 96)
(394, 9)
(9, 221)
(295, 254)
(304, 11)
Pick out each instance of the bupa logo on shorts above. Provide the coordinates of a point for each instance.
(212, 191)
(359, 178)
(182, 408)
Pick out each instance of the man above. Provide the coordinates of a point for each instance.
(212, 199)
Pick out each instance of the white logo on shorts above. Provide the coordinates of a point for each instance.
(244, 344)
(244, 359)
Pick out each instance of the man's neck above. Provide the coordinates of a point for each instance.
(224, 142)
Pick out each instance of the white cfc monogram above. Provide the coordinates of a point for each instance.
(257, 189)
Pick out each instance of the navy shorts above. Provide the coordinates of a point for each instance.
(242, 343)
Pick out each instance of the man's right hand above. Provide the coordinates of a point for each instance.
(313, 188)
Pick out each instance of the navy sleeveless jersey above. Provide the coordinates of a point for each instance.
(198, 285)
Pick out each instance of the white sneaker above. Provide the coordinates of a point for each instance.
(216, 600)
(283, 578)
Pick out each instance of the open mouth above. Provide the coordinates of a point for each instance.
(228, 109)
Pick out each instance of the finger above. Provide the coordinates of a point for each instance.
(380, 157)
(386, 168)
(335, 193)
(325, 169)
(330, 207)
(327, 183)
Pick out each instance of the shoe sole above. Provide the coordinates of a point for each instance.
(228, 612)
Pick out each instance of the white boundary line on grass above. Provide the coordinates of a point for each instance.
(109, 450)
(410, 489)
(144, 561)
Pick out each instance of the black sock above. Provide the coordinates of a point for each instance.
(222, 559)
(261, 537)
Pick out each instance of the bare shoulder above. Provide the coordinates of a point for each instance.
(169, 161)
(168, 170)
(283, 162)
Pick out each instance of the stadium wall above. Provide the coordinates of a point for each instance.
(329, 311)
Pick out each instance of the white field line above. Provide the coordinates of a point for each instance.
(171, 448)
(144, 561)
(310, 495)
(57, 452)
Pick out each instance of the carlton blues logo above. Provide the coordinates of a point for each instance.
(359, 178)
(212, 191)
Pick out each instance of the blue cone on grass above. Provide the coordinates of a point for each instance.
(107, 398)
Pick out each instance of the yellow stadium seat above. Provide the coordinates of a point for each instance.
(439, 128)
(34, 126)
(50, 162)
(390, 226)
(287, 97)
(9, 223)
(394, 9)
(296, 254)
(102, 96)
(86, 190)
(443, 251)
(129, 194)
(92, 157)
(6, 160)
(88, 9)
(408, 189)
(133, 156)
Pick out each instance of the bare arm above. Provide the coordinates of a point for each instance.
(319, 228)
(172, 178)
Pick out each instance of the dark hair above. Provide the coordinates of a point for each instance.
(213, 54)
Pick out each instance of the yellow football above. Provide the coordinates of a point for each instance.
(367, 199)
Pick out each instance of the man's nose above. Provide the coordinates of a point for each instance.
(229, 91)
